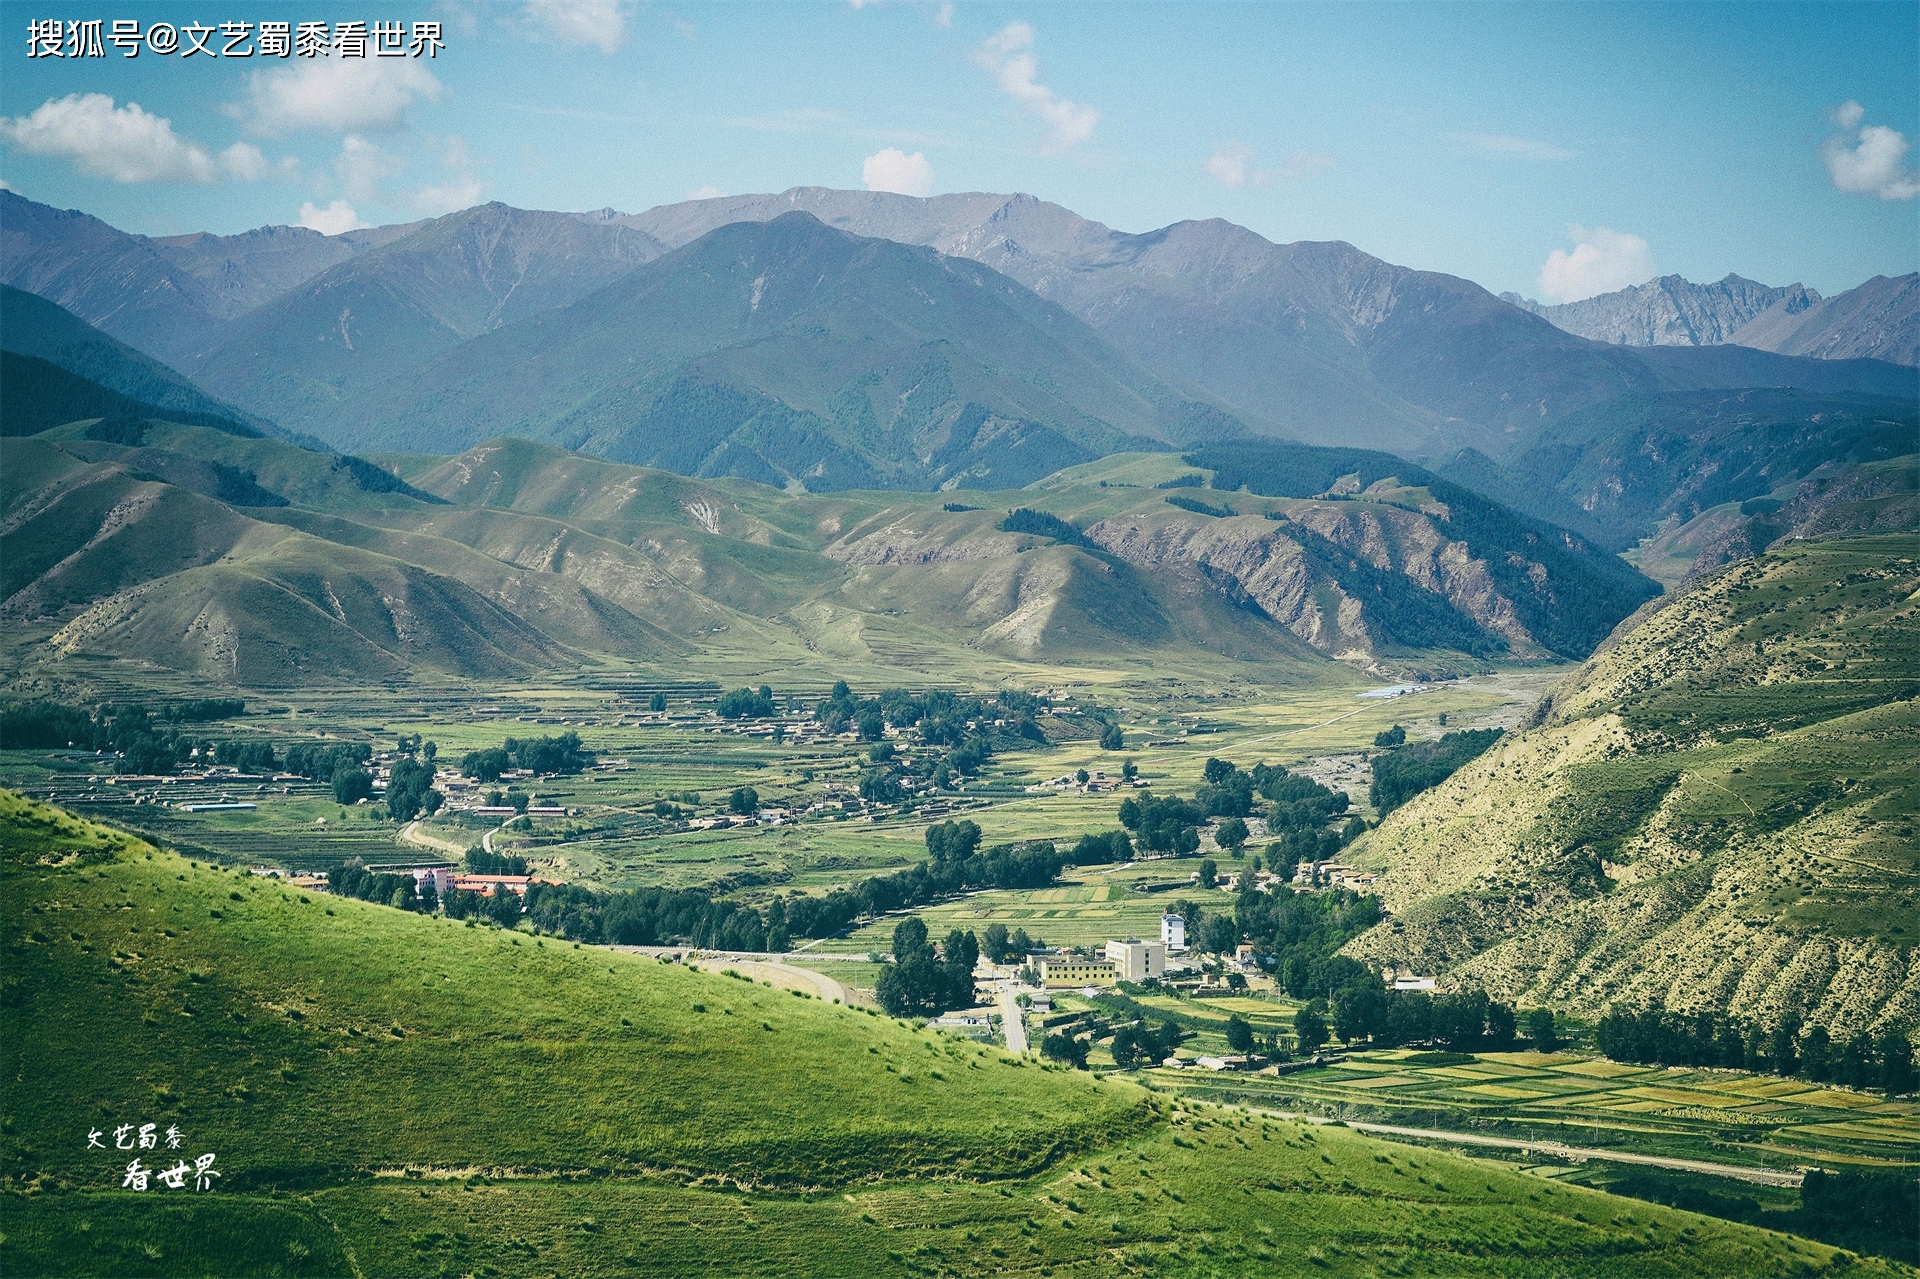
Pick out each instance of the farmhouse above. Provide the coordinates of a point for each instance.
(1173, 932)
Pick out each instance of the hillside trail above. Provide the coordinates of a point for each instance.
(412, 835)
(782, 976)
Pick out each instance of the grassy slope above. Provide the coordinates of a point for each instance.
(1717, 813)
(546, 1136)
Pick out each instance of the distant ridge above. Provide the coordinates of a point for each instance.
(1670, 311)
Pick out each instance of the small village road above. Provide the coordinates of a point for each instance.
(1011, 1022)
(412, 835)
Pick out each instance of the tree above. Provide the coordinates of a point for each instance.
(1231, 834)
(657, 703)
(1129, 770)
(351, 786)
(744, 802)
(1310, 1028)
(1391, 738)
(1218, 770)
(1540, 1030)
(870, 726)
(952, 841)
(1125, 1048)
(1239, 1034)
(1209, 873)
(1112, 739)
(995, 942)
(1896, 1063)
(1060, 1047)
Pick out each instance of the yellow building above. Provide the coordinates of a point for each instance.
(1077, 972)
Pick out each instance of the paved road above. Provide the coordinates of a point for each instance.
(1011, 1022)
(1554, 1149)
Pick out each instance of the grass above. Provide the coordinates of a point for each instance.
(395, 1095)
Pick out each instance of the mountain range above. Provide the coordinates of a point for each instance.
(1217, 329)
(1878, 320)
(226, 554)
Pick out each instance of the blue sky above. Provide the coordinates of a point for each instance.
(1550, 149)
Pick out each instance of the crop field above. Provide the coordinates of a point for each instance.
(1722, 1115)
(612, 840)
(390, 1094)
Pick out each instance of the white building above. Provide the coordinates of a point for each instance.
(1136, 960)
(1173, 932)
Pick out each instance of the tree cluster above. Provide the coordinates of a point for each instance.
(410, 790)
(1143, 1044)
(1467, 1022)
(481, 862)
(1000, 947)
(920, 981)
(553, 755)
(397, 891)
(502, 906)
(747, 703)
(1163, 825)
(148, 741)
(322, 761)
(247, 756)
(1654, 1036)
(1406, 771)
(1023, 519)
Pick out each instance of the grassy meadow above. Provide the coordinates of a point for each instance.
(389, 1094)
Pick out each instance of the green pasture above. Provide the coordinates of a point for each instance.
(414, 1096)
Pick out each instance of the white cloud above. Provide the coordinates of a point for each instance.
(1231, 165)
(362, 166)
(705, 192)
(347, 95)
(894, 170)
(1008, 54)
(337, 218)
(458, 188)
(599, 23)
(1601, 261)
(126, 144)
(244, 162)
(1508, 145)
(1867, 161)
(944, 14)
(5, 185)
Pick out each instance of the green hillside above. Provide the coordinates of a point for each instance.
(394, 1094)
(1715, 814)
(257, 562)
(791, 353)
